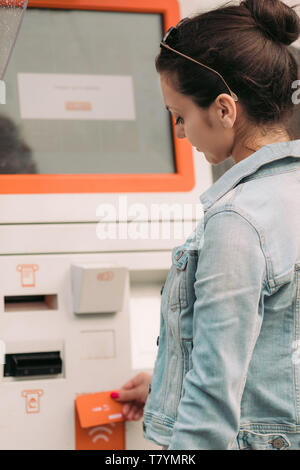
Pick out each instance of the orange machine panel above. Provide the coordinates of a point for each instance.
(182, 180)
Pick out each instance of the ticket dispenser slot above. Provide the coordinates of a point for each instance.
(21, 303)
(30, 364)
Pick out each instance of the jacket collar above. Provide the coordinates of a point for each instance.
(249, 166)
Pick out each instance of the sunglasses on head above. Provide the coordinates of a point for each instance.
(172, 35)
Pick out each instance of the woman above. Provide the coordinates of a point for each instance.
(227, 373)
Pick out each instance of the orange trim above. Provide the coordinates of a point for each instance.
(183, 180)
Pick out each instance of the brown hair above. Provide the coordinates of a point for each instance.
(247, 45)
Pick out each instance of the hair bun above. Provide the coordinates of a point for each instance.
(277, 20)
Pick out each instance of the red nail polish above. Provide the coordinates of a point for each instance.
(114, 395)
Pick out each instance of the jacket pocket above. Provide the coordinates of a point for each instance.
(250, 440)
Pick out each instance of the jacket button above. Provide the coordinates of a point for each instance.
(144, 427)
(278, 443)
(157, 341)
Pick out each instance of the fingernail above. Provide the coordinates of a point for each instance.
(114, 395)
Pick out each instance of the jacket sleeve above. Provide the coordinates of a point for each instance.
(227, 319)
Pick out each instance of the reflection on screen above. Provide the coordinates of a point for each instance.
(15, 154)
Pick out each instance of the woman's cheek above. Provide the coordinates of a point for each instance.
(190, 135)
(193, 137)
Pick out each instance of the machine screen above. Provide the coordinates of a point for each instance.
(83, 96)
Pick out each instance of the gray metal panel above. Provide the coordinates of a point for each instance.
(219, 170)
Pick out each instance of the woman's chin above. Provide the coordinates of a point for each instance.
(211, 158)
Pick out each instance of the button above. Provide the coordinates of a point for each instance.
(161, 292)
(278, 443)
(157, 341)
(149, 391)
(144, 427)
(179, 255)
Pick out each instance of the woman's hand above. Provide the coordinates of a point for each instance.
(134, 394)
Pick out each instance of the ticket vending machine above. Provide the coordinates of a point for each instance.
(96, 190)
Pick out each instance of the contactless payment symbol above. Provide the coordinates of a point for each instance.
(102, 432)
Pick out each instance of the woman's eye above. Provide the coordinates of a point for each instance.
(179, 121)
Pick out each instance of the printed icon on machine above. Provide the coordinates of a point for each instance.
(32, 400)
(104, 432)
(105, 276)
(28, 278)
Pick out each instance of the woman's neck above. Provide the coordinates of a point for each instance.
(244, 149)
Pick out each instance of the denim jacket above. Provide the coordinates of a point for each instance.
(227, 372)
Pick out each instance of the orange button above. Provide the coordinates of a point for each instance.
(78, 106)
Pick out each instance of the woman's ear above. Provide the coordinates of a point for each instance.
(226, 109)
